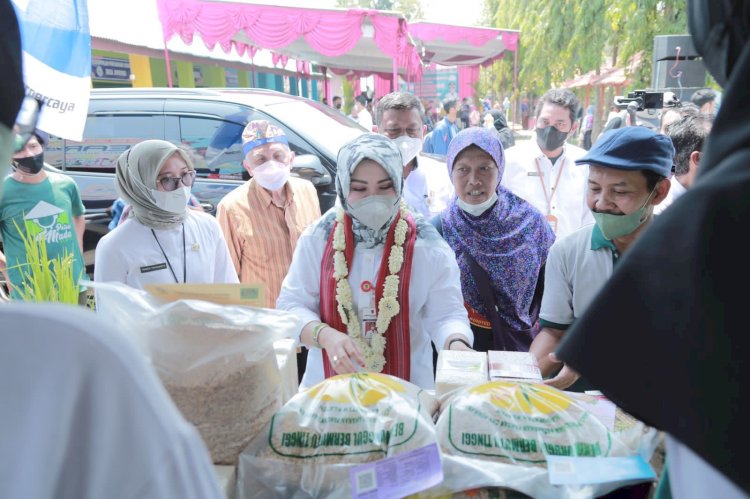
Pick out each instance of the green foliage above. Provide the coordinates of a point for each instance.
(46, 280)
(561, 39)
(412, 9)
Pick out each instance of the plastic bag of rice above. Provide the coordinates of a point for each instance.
(342, 421)
(217, 362)
(498, 434)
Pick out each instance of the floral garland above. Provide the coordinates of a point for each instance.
(388, 306)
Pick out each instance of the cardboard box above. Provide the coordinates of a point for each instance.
(456, 369)
(515, 366)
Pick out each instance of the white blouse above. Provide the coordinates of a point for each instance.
(436, 305)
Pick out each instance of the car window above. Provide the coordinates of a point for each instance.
(216, 145)
(104, 139)
(325, 128)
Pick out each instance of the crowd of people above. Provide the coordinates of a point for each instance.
(581, 256)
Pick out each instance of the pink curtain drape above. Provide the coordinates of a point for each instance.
(467, 77)
(382, 86)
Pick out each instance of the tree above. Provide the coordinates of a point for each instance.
(412, 9)
(562, 39)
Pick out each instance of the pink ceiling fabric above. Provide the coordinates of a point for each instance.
(452, 34)
(329, 32)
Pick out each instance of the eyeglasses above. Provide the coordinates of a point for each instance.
(26, 121)
(172, 183)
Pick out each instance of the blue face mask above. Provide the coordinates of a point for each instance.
(616, 226)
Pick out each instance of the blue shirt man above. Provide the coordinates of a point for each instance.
(436, 142)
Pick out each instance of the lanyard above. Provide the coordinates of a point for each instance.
(184, 259)
(549, 197)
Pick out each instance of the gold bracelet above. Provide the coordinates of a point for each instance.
(316, 333)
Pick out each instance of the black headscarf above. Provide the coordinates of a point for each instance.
(666, 339)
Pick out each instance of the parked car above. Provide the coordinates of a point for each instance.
(209, 124)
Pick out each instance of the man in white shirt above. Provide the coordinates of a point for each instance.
(360, 113)
(688, 135)
(427, 186)
(542, 170)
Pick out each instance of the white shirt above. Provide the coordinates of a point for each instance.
(568, 200)
(435, 300)
(364, 118)
(690, 477)
(131, 255)
(676, 190)
(428, 189)
(88, 418)
(573, 276)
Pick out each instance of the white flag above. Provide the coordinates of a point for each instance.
(56, 45)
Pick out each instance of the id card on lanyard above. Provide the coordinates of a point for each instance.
(551, 219)
(367, 314)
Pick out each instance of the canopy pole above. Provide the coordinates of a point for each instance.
(169, 66)
(515, 85)
(395, 76)
(252, 71)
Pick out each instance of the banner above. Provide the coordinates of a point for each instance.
(56, 45)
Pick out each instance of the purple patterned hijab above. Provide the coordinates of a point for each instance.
(510, 241)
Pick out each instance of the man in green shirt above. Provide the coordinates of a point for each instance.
(44, 205)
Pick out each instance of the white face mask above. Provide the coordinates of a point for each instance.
(173, 201)
(374, 211)
(272, 175)
(409, 147)
(477, 209)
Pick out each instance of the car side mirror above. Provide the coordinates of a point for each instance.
(309, 167)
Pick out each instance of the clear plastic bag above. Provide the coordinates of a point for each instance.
(217, 362)
(498, 434)
(311, 443)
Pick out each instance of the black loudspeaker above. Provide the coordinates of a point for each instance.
(685, 74)
(675, 54)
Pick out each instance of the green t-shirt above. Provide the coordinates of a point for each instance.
(44, 210)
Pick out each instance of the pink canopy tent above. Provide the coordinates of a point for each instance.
(361, 41)
(465, 47)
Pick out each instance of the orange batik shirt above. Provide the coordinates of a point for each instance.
(262, 236)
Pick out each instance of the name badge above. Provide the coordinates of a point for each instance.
(153, 268)
(552, 220)
(532, 174)
(369, 325)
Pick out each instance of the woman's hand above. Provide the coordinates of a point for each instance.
(458, 342)
(343, 354)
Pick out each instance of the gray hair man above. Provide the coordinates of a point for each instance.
(688, 135)
(427, 189)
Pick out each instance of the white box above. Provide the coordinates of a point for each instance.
(458, 368)
(517, 366)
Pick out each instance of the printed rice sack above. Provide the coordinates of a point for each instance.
(352, 418)
(521, 423)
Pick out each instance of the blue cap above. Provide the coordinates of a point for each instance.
(632, 148)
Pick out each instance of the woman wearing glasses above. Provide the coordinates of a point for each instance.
(163, 241)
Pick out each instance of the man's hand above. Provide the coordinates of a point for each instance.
(565, 378)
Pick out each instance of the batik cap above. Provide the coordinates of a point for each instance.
(261, 132)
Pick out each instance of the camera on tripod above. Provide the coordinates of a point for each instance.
(644, 99)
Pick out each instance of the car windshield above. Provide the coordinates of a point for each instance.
(327, 128)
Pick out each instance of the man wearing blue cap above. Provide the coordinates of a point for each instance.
(44, 205)
(629, 171)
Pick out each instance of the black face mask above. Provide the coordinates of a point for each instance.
(550, 138)
(31, 164)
